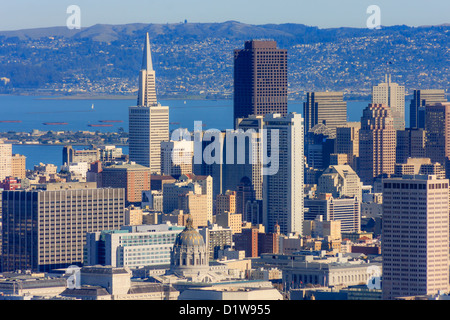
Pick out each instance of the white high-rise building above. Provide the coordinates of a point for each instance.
(392, 95)
(283, 183)
(148, 121)
(5, 160)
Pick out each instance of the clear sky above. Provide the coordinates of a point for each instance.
(23, 14)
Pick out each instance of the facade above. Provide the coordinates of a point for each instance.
(132, 246)
(5, 160)
(216, 238)
(392, 95)
(18, 166)
(347, 142)
(422, 98)
(45, 229)
(437, 126)
(70, 155)
(247, 241)
(152, 200)
(254, 212)
(410, 144)
(347, 210)
(377, 143)
(260, 79)
(283, 182)
(148, 121)
(415, 236)
(133, 216)
(327, 108)
(133, 177)
(248, 144)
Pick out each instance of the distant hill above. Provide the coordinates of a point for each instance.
(227, 30)
(196, 58)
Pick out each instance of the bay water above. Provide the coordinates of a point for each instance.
(78, 114)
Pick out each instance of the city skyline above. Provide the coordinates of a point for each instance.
(287, 206)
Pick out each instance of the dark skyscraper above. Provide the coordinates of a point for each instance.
(260, 79)
(421, 98)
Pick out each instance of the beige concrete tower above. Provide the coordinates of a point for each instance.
(5, 160)
(415, 236)
(392, 95)
(377, 143)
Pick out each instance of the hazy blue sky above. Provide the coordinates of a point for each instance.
(21, 14)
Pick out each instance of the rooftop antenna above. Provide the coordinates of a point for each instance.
(388, 74)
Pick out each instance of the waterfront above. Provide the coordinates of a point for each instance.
(33, 111)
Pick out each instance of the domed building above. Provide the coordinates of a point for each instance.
(189, 256)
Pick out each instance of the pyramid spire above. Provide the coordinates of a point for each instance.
(147, 58)
(147, 86)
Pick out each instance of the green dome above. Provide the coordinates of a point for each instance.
(189, 237)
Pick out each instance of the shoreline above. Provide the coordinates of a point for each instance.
(64, 144)
(350, 97)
